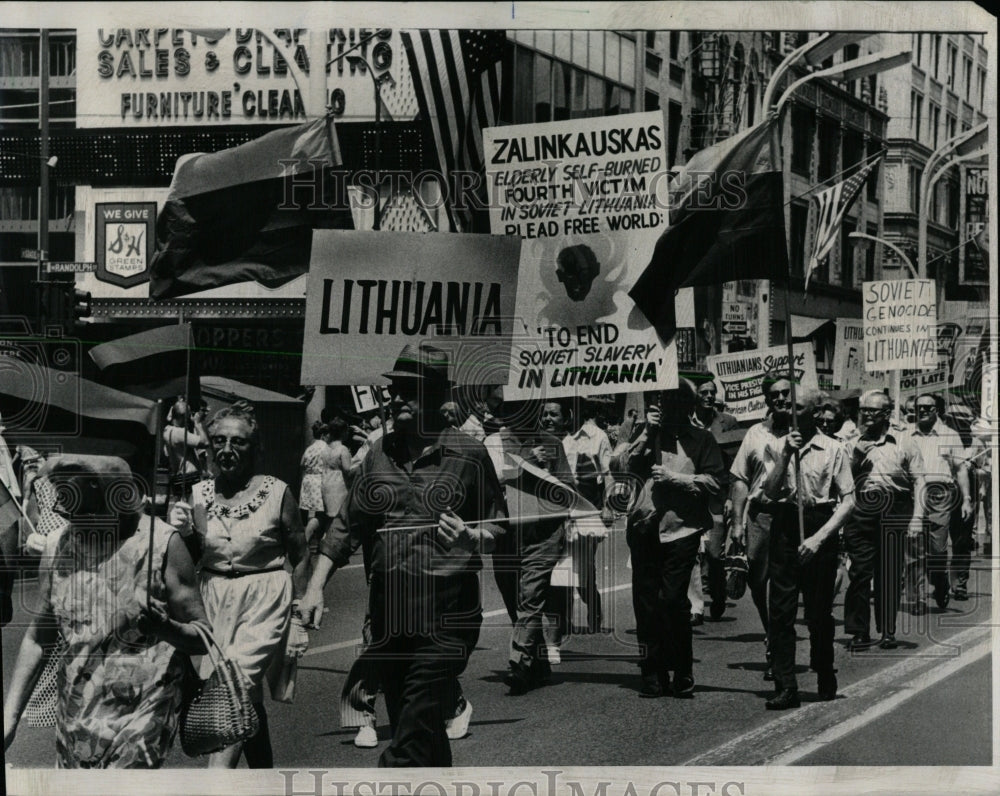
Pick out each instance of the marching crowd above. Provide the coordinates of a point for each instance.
(441, 478)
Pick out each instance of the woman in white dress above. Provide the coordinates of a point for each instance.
(246, 526)
(314, 469)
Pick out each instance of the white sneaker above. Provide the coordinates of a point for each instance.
(366, 738)
(458, 727)
(554, 656)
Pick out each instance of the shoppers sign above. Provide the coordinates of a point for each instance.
(900, 329)
(582, 194)
(370, 294)
(152, 77)
(738, 376)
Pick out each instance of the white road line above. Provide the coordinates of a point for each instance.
(340, 645)
(799, 732)
(914, 687)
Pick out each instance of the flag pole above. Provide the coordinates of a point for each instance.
(152, 504)
(779, 161)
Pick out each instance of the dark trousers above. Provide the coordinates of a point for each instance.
(714, 567)
(660, 576)
(507, 571)
(587, 589)
(787, 578)
(541, 549)
(875, 540)
(758, 530)
(420, 653)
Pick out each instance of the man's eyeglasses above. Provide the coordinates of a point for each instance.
(926, 410)
(868, 412)
(780, 393)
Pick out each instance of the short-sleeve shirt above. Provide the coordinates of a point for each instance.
(942, 451)
(244, 537)
(748, 466)
(892, 462)
(826, 471)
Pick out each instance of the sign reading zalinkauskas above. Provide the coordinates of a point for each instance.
(582, 194)
(162, 76)
(900, 324)
(370, 294)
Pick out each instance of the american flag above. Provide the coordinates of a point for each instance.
(456, 75)
(830, 208)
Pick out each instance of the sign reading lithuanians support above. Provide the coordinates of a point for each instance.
(587, 197)
(738, 376)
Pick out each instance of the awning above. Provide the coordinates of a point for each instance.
(804, 326)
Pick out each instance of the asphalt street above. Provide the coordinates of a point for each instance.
(927, 703)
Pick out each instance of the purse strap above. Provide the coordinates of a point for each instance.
(212, 648)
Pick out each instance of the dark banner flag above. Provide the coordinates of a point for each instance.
(160, 359)
(726, 223)
(231, 216)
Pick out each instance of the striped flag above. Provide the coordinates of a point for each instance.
(830, 208)
(456, 75)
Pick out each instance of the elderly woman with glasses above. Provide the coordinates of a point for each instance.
(246, 526)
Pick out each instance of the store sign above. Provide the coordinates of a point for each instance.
(155, 77)
(973, 253)
(126, 239)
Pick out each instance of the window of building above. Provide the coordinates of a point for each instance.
(829, 148)
(952, 66)
(798, 222)
(982, 87)
(851, 52)
(651, 39)
(871, 186)
(916, 113)
(937, 55)
(934, 121)
(853, 149)
(952, 219)
(918, 48)
(675, 45)
(674, 119)
(967, 73)
(937, 205)
(803, 131)
(847, 252)
(950, 125)
(915, 172)
(651, 101)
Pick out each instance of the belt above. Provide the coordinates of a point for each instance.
(241, 573)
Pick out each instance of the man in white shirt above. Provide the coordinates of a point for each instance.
(946, 476)
(588, 451)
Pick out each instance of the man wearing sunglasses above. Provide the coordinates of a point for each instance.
(751, 507)
(946, 474)
(825, 487)
(888, 472)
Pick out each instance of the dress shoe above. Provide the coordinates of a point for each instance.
(518, 682)
(697, 619)
(683, 686)
(649, 687)
(826, 686)
(888, 642)
(960, 592)
(860, 641)
(541, 671)
(717, 609)
(786, 698)
(942, 598)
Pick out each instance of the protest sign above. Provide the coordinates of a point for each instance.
(849, 358)
(367, 400)
(582, 194)
(900, 329)
(370, 294)
(738, 376)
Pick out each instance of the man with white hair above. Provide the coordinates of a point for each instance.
(888, 472)
(807, 563)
